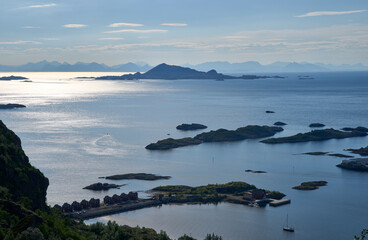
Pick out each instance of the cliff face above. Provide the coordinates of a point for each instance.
(19, 180)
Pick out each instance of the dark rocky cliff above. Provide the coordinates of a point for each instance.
(19, 180)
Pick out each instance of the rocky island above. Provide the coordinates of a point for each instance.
(220, 135)
(137, 176)
(9, 78)
(316, 125)
(315, 135)
(190, 127)
(313, 185)
(361, 151)
(11, 106)
(279, 124)
(102, 186)
(359, 129)
(172, 72)
(328, 154)
(356, 164)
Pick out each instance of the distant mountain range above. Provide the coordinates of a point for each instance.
(225, 67)
(45, 66)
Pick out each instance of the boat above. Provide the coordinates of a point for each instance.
(287, 228)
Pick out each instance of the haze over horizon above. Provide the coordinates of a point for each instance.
(180, 32)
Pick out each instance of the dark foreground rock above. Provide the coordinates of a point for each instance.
(190, 127)
(9, 78)
(11, 106)
(315, 135)
(137, 176)
(310, 185)
(356, 164)
(102, 186)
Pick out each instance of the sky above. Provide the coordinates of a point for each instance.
(183, 31)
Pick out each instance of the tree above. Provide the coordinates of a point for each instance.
(363, 235)
(212, 237)
(30, 234)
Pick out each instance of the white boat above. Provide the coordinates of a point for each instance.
(287, 228)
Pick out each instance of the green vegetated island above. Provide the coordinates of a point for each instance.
(220, 135)
(172, 72)
(313, 185)
(11, 106)
(24, 213)
(316, 135)
(232, 192)
(137, 176)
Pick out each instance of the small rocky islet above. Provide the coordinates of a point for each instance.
(190, 127)
(316, 125)
(137, 176)
(11, 106)
(279, 123)
(355, 164)
(363, 151)
(328, 154)
(220, 135)
(102, 186)
(313, 185)
(12, 77)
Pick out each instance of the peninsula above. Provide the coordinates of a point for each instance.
(137, 176)
(11, 106)
(172, 72)
(316, 135)
(220, 135)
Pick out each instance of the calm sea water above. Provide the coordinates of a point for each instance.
(76, 130)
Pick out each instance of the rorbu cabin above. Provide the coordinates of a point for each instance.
(94, 203)
(116, 198)
(108, 200)
(133, 195)
(258, 193)
(84, 204)
(124, 197)
(76, 206)
(67, 208)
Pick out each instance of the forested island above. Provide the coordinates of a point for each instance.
(172, 72)
(220, 135)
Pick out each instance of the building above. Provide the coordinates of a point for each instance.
(133, 196)
(116, 198)
(67, 208)
(58, 207)
(248, 196)
(94, 203)
(84, 204)
(124, 197)
(258, 193)
(108, 200)
(76, 206)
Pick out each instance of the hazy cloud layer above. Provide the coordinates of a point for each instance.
(125, 25)
(138, 31)
(329, 13)
(174, 24)
(42, 5)
(74, 25)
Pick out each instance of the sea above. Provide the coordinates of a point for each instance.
(76, 130)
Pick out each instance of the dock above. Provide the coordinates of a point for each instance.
(276, 203)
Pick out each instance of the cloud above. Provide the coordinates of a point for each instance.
(125, 25)
(19, 42)
(49, 39)
(74, 25)
(42, 5)
(174, 24)
(329, 13)
(30, 27)
(112, 38)
(138, 31)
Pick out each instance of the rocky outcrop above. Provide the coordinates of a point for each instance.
(22, 182)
